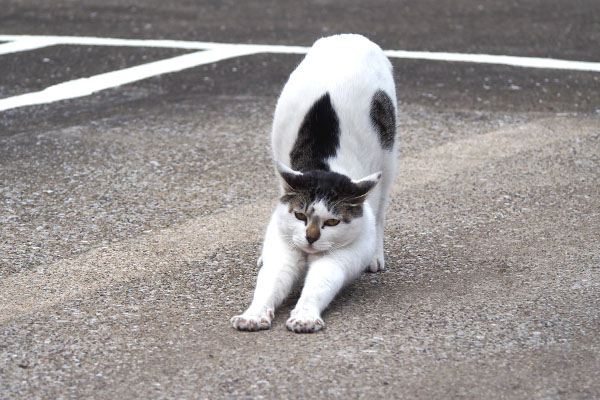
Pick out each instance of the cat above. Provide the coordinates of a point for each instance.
(334, 145)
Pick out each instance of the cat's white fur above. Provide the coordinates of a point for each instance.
(351, 69)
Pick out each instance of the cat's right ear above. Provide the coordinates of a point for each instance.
(288, 177)
(365, 185)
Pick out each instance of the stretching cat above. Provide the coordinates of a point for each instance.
(335, 127)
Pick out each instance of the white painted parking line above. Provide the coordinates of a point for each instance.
(25, 44)
(513, 61)
(215, 52)
(86, 86)
(527, 62)
(170, 44)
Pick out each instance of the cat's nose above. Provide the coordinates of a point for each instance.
(311, 239)
(313, 233)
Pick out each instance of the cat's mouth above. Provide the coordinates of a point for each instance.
(306, 247)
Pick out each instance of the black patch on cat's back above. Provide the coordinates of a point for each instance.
(318, 137)
(383, 119)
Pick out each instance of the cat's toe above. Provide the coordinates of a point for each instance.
(305, 324)
(251, 323)
(377, 264)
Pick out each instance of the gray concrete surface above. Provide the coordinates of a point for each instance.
(131, 219)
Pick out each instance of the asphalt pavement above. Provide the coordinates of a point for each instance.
(131, 219)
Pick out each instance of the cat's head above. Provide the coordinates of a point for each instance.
(323, 209)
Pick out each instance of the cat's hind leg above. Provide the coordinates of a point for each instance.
(281, 268)
(378, 261)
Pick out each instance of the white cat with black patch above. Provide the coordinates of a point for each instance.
(334, 145)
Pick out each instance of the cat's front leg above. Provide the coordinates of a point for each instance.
(281, 267)
(274, 283)
(323, 280)
(325, 277)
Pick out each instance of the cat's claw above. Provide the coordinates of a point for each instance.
(304, 323)
(252, 322)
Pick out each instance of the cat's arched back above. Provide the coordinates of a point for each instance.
(341, 93)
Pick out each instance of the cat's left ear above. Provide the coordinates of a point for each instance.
(289, 177)
(365, 185)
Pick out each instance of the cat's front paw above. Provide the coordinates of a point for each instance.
(253, 322)
(377, 264)
(305, 322)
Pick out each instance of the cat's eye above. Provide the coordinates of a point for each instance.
(332, 222)
(300, 216)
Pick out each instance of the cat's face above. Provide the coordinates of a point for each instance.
(314, 227)
(323, 210)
